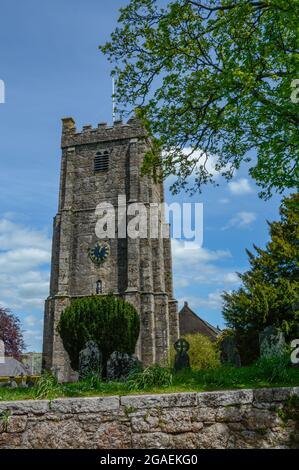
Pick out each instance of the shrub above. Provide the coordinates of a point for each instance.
(48, 387)
(151, 377)
(90, 384)
(273, 369)
(111, 322)
(203, 353)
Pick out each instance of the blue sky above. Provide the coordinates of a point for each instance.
(51, 66)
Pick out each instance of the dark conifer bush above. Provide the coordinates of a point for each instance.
(110, 321)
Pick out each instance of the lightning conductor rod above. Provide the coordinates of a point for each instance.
(113, 100)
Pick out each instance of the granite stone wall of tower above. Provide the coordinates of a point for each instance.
(138, 270)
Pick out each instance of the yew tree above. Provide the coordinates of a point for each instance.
(269, 294)
(111, 322)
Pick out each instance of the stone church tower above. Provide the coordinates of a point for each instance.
(97, 166)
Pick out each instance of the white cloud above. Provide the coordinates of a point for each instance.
(200, 266)
(24, 267)
(199, 159)
(191, 254)
(33, 331)
(246, 218)
(182, 282)
(208, 161)
(231, 278)
(32, 337)
(202, 160)
(213, 301)
(13, 236)
(212, 274)
(22, 259)
(32, 320)
(242, 219)
(224, 200)
(241, 186)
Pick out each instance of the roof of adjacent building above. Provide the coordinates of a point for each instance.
(191, 323)
(12, 368)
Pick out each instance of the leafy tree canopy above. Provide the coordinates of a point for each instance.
(269, 294)
(214, 77)
(11, 334)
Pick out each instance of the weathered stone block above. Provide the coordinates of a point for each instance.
(16, 424)
(161, 401)
(229, 398)
(10, 441)
(213, 437)
(113, 436)
(154, 440)
(145, 423)
(261, 420)
(229, 415)
(269, 395)
(178, 421)
(85, 405)
(204, 414)
(57, 435)
(23, 407)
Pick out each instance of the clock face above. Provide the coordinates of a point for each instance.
(99, 253)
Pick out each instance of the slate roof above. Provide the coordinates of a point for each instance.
(191, 323)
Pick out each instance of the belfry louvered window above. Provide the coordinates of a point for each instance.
(101, 161)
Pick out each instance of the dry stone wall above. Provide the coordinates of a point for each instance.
(264, 418)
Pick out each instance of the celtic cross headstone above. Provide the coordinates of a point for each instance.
(182, 360)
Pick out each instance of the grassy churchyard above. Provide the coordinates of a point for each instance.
(264, 373)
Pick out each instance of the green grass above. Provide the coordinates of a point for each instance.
(262, 374)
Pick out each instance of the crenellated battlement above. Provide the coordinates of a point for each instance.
(104, 132)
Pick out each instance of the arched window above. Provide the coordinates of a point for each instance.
(99, 287)
(101, 161)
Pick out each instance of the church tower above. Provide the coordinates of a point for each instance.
(98, 165)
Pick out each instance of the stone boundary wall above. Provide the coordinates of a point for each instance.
(262, 418)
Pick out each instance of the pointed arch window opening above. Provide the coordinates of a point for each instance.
(99, 287)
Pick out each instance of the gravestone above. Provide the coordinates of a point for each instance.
(90, 360)
(12, 383)
(119, 366)
(272, 342)
(182, 360)
(23, 383)
(229, 354)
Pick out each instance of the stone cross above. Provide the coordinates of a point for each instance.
(182, 360)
